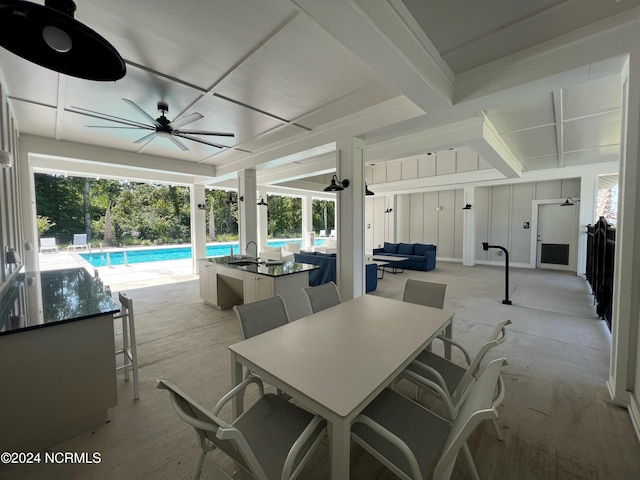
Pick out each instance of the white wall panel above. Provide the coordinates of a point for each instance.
(458, 240)
(551, 189)
(410, 169)
(446, 220)
(379, 173)
(570, 188)
(430, 219)
(466, 161)
(394, 171)
(369, 222)
(427, 166)
(482, 207)
(445, 162)
(499, 219)
(379, 222)
(402, 218)
(415, 218)
(520, 241)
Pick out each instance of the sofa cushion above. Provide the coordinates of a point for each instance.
(390, 247)
(421, 249)
(405, 249)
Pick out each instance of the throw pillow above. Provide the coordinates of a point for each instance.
(390, 247)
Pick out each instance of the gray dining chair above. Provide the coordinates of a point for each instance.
(272, 439)
(429, 294)
(261, 316)
(415, 443)
(322, 296)
(456, 379)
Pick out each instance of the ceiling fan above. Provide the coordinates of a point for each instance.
(160, 126)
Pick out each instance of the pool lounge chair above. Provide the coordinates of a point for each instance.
(79, 242)
(48, 244)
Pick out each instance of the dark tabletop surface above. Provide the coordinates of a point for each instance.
(67, 295)
(284, 268)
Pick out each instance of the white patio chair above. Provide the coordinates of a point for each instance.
(48, 244)
(455, 379)
(293, 247)
(415, 443)
(322, 296)
(271, 253)
(129, 350)
(273, 439)
(79, 242)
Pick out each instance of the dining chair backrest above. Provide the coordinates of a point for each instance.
(424, 293)
(477, 407)
(261, 316)
(322, 296)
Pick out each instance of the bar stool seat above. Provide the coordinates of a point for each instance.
(129, 349)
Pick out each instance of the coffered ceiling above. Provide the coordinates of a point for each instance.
(520, 82)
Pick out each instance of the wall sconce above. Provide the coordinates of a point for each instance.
(367, 191)
(337, 185)
(12, 257)
(388, 210)
(241, 198)
(467, 207)
(568, 202)
(261, 202)
(439, 208)
(6, 159)
(202, 206)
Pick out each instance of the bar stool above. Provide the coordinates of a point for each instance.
(129, 349)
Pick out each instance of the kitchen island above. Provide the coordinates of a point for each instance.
(57, 357)
(227, 281)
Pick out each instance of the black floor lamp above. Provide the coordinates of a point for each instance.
(485, 247)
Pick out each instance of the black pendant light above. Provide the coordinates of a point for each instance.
(50, 37)
(337, 185)
(568, 202)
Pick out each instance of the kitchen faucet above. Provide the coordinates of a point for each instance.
(246, 249)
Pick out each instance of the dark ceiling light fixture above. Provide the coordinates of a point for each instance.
(568, 202)
(50, 37)
(337, 185)
(467, 207)
(367, 191)
(261, 202)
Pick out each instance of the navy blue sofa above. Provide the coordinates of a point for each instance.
(327, 273)
(420, 256)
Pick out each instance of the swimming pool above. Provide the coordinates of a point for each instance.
(98, 259)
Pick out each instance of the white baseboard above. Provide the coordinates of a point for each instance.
(501, 264)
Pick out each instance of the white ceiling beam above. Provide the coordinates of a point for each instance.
(588, 53)
(558, 113)
(495, 151)
(375, 32)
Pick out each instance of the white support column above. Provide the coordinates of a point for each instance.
(588, 198)
(350, 213)
(198, 225)
(469, 229)
(307, 222)
(247, 209)
(263, 221)
(623, 373)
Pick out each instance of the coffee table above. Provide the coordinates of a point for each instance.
(380, 263)
(396, 263)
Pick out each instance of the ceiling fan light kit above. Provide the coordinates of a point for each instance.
(49, 36)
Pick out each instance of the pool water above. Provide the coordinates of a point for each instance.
(98, 259)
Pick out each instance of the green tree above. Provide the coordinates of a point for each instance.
(44, 224)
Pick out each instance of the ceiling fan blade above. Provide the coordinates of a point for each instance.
(180, 145)
(146, 138)
(194, 139)
(185, 120)
(110, 118)
(205, 132)
(142, 112)
(109, 126)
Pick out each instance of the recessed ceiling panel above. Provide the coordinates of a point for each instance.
(593, 155)
(532, 113)
(297, 71)
(34, 119)
(193, 40)
(28, 81)
(532, 143)
(540, 163)
(590, 132)
(598, 96)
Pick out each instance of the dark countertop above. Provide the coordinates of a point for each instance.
(67, 295)
(284, 268)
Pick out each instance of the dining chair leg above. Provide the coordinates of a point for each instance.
(494, 421)
(470, 463)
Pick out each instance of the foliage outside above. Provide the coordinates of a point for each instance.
(117, 213)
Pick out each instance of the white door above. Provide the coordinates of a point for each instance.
(557, 237)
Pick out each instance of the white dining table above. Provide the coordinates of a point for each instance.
(335, 362)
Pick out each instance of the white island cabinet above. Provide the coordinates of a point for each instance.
(224, 284)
